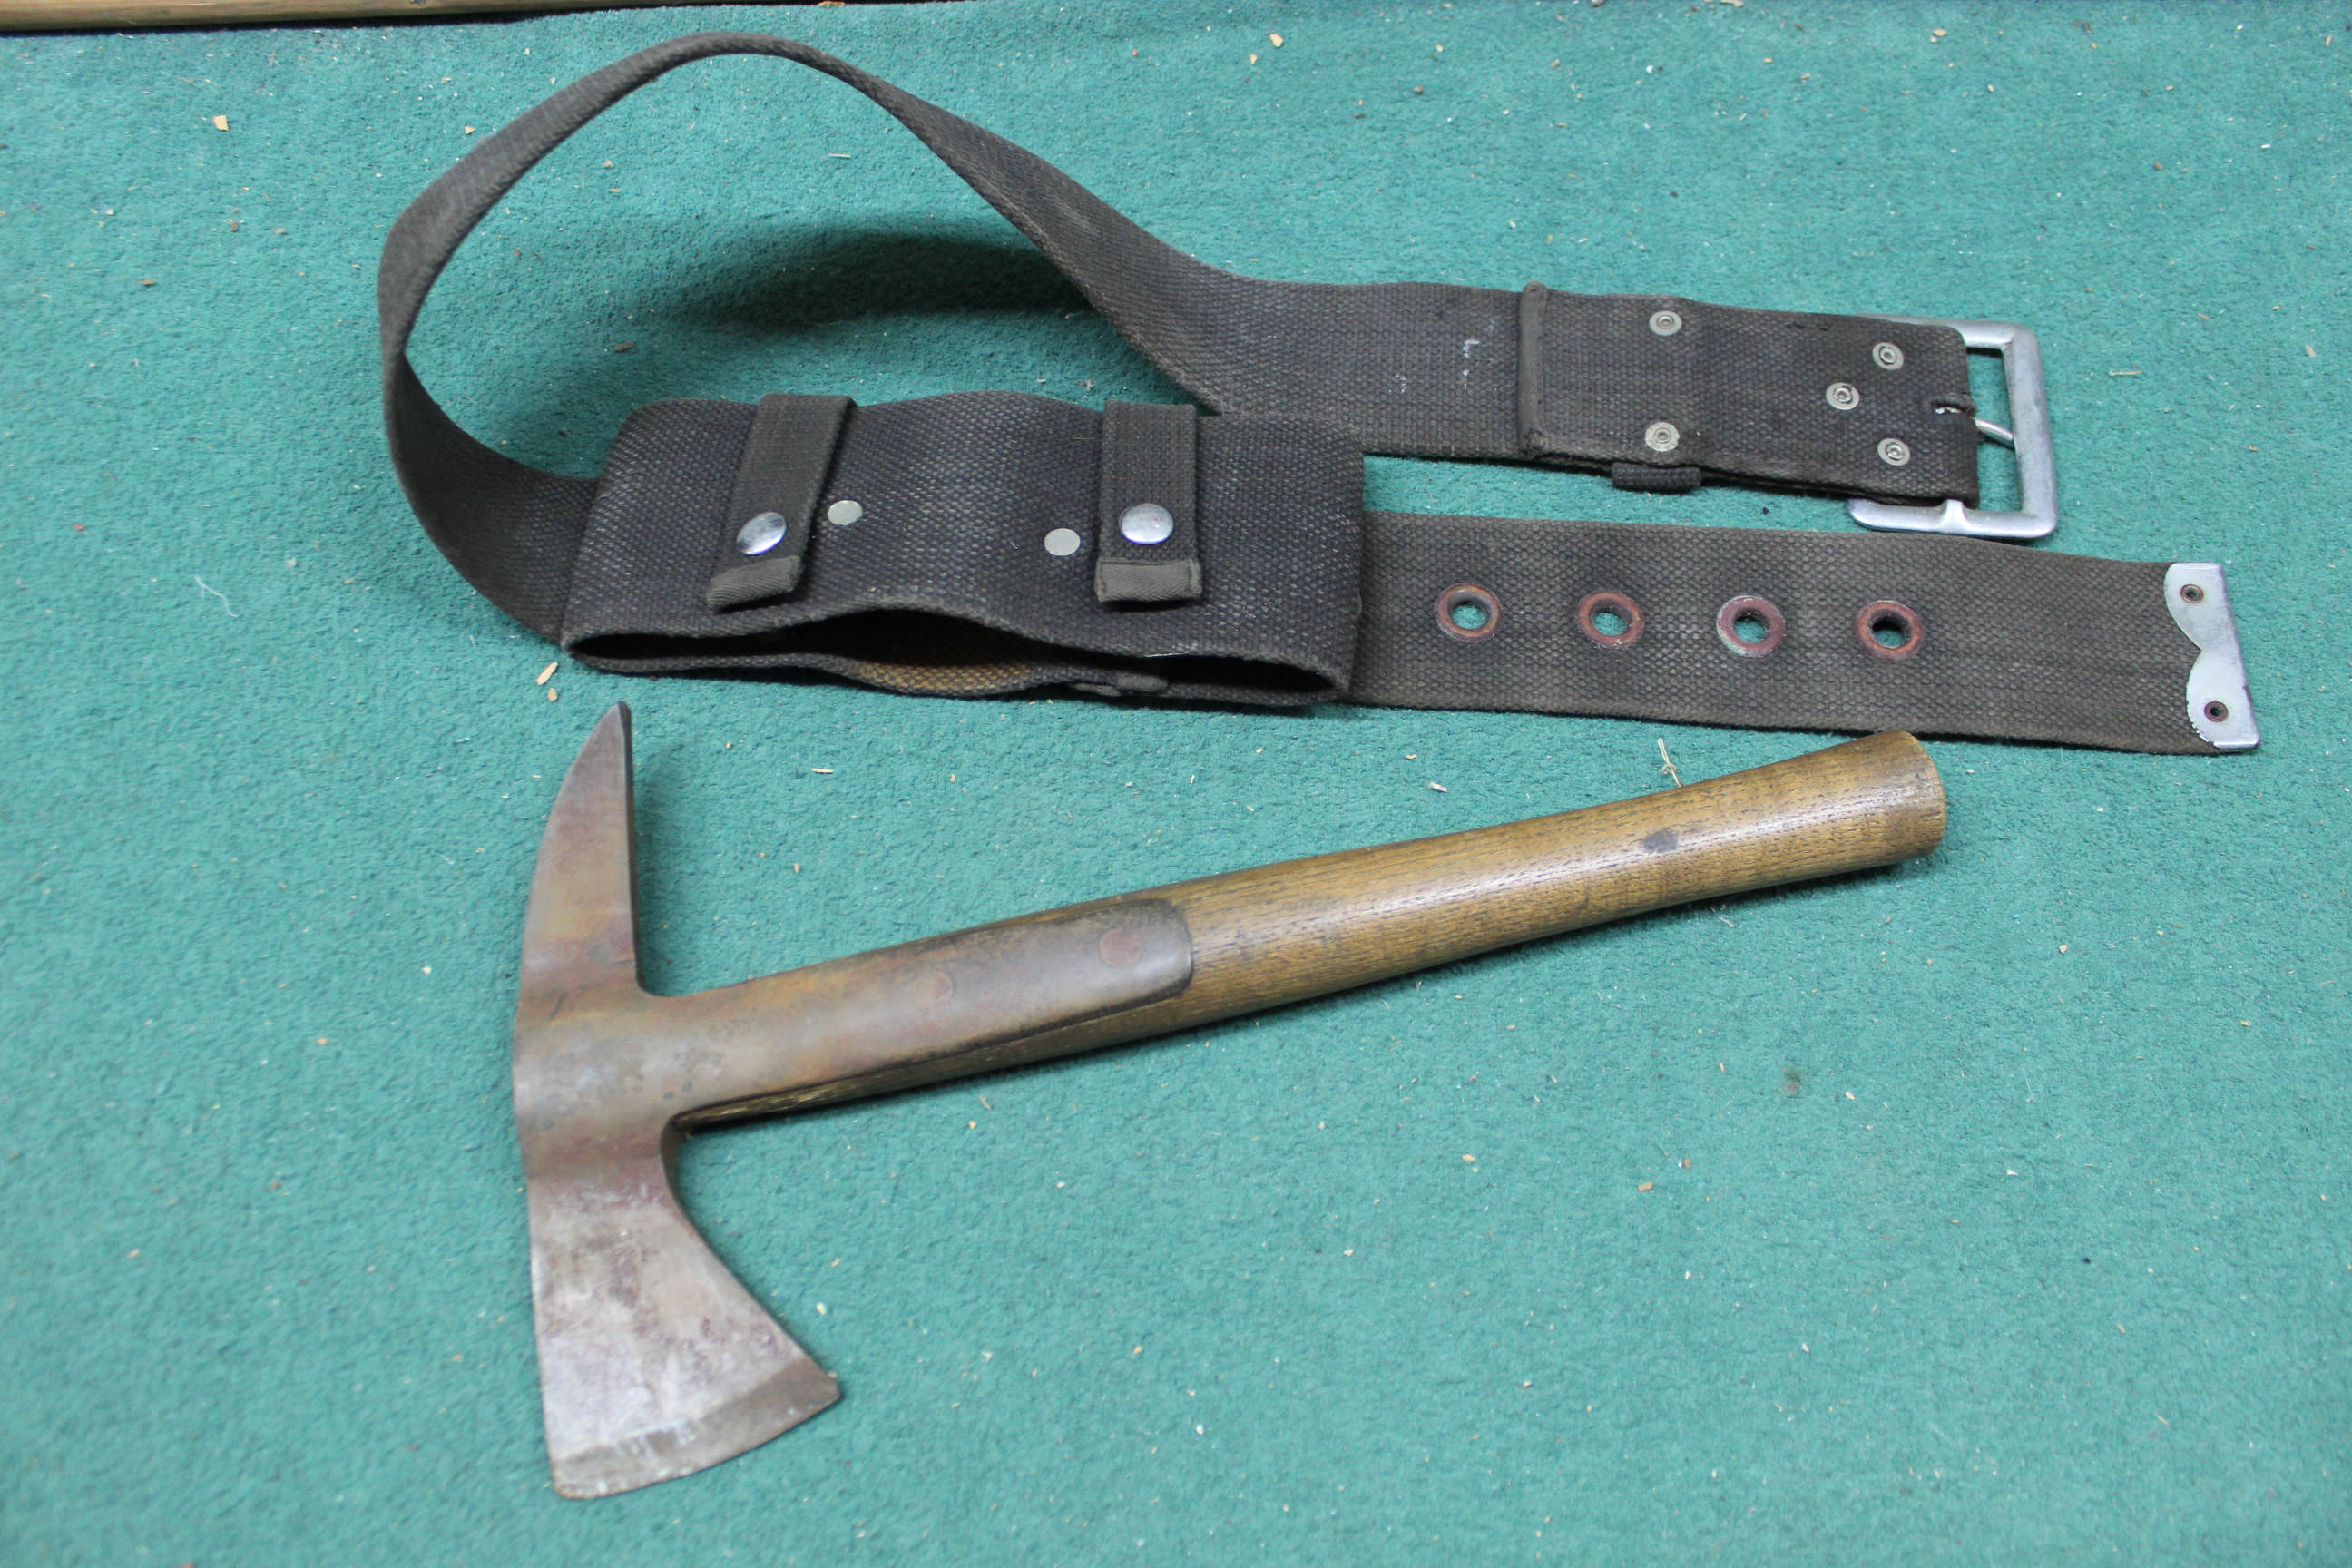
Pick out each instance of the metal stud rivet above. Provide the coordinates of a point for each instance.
(1665, 323)
(1894, 453)
(1063, 542)
(843, 512)
(1661, 438)
(1886, 356)
(1146, 522)
(762, 533)
(1843, 395)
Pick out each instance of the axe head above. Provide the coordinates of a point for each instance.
(654, 1362)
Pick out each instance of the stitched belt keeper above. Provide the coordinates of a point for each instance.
(765, 532)
(1147, 547)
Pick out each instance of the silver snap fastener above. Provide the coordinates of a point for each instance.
(1886, 356)
(843, 512)
(762, 533)
(1146, 522)
(1842, 395)
(1661, 438)
(1063, 542)
(1894, 453)
(1665, 323)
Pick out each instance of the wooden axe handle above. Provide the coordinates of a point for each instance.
(1284, 934)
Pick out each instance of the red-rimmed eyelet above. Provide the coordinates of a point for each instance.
(1888, 616)
(1751, 608)
(1590, 608)
(1469, 596)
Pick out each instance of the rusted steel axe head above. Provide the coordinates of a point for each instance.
(656, 1363)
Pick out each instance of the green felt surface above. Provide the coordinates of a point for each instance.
(1996, 1206)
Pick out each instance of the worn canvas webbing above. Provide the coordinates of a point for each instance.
(990, 542)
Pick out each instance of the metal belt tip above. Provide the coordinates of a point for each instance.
(2198, 595)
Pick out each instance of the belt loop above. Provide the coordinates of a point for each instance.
(1533, 443)
(786, 456)
(1147, 547)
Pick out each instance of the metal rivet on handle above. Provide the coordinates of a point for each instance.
(843, 512)
(1894, 453)
(1063, 542)
(762, 533)
(1665, 323)
(1843, 395)
(1886, 356)
(1661, 438)
(1146, 522)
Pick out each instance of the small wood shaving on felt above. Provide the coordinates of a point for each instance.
(550, 670)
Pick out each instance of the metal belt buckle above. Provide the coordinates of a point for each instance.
(2037, 473)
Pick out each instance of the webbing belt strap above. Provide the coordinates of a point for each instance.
(981, 542)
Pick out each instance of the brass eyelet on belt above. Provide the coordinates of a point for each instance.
(1749, 607)
(1886, 614)
(1590, 608)
(1469, 595)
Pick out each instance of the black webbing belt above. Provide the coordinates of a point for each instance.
(984, 542)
